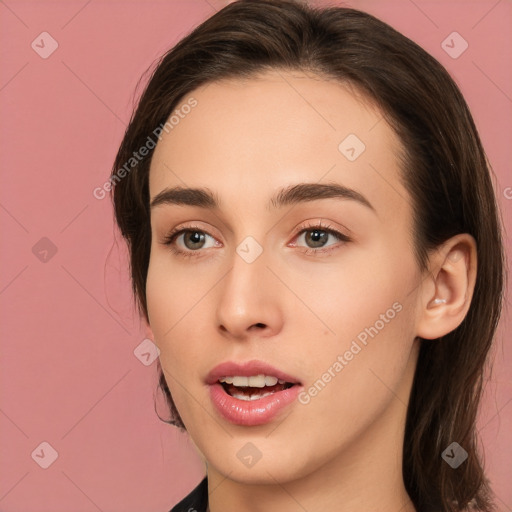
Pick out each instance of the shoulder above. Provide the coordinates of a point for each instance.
(196, 501)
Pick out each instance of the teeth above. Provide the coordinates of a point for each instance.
(247, 398)
(254, 381)
(240, 381)
(257, 382)
(270, 381)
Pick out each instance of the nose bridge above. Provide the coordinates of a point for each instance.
(249, 295)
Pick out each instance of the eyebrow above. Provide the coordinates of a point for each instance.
(291, 195)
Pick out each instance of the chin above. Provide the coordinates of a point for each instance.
(257, 461)
(261, 474)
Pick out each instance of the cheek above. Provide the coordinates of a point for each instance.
(165, 309)
(365, 352)
(367, 331)
(160, 303)
(176, 302)
(169, 306)
(172, 297)
(352, 383)
(351, 298)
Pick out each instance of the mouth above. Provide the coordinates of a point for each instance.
(253, 387)
(251, 393)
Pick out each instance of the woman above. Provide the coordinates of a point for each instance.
(315, 245)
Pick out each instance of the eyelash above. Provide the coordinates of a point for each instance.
(171, 237)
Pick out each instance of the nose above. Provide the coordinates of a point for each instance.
(250, 303)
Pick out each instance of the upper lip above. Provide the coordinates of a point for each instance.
(248, 368)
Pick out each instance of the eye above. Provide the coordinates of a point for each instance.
(192, 239)
(316, 237)
(188, 242)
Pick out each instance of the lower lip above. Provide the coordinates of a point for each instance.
(251, 412)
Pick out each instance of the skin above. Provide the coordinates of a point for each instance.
(244, 140)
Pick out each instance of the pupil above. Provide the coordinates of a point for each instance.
(318, 237)
(195, 237)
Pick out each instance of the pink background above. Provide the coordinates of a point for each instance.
(69, 376)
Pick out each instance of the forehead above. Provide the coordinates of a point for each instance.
(249, 137)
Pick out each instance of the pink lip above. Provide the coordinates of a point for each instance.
(254, 412)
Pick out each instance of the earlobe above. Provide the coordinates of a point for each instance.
(447, 298)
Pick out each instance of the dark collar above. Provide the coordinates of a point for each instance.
(197, 500)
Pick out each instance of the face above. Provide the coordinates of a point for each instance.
(304, 267)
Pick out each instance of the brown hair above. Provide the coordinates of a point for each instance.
(443, 167)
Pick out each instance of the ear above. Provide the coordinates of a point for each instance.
(448, 289)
